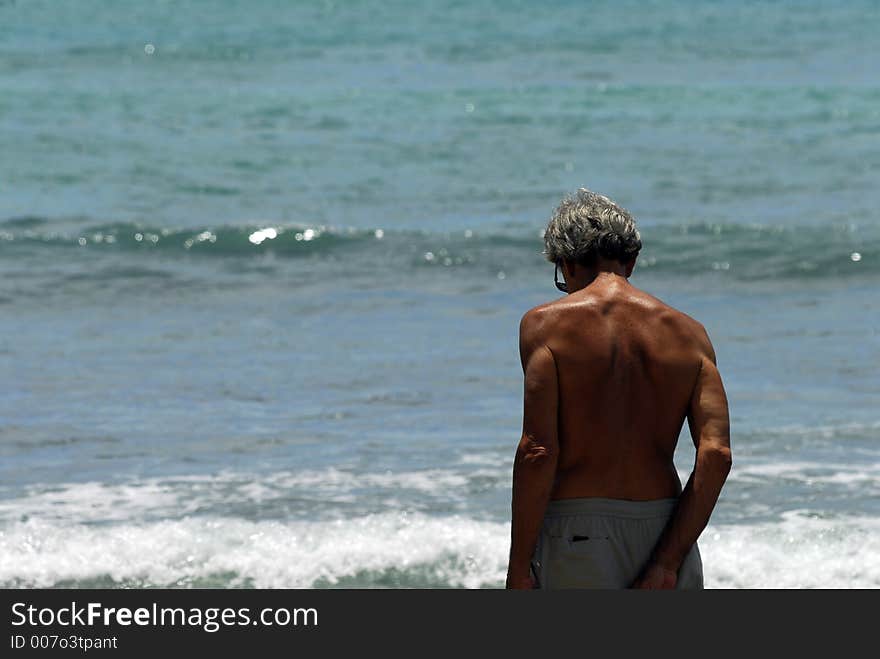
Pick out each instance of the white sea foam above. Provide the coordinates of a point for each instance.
(801, 551)
(89, 502)
(179, 531)
(453, 551)
(181, 495)
(848, 475)
(495, 459)
(177, 496)
(828, 431)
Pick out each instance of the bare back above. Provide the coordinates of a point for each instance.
(627, 365)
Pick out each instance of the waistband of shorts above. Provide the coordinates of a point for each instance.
(611, 507)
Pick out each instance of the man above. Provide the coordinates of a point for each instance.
(611, 373)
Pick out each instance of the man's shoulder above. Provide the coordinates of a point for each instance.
(537, 320)
(535, 330)
(688, 328)
(671, 315)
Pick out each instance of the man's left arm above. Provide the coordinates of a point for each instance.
(534, 467)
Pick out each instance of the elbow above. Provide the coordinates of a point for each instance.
(535, 453)
(719, 459)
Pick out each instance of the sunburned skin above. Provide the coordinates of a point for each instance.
(626, 366)
(610, 375)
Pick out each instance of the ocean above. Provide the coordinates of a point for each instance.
(262, 266)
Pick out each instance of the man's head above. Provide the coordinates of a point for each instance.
(591, 231)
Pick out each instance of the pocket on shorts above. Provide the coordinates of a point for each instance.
(577, 539)
(582, 560)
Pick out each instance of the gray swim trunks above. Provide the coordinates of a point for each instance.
(594, 542)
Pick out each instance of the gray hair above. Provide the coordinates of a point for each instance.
(588, 225)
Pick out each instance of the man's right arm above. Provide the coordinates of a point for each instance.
(708, 419)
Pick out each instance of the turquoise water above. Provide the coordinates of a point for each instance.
(262, 266)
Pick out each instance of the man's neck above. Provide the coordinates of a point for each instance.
(602, 277)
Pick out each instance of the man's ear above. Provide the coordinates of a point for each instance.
(631, 265)
(570, 268)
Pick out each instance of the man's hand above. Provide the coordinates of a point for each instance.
(656, 577)
(709, 422)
